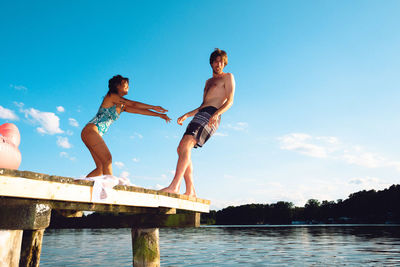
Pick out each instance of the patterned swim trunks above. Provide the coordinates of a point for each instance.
(199, 128)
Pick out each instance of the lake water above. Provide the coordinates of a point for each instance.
(314, 245)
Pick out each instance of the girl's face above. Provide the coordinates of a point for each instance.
(123, 88)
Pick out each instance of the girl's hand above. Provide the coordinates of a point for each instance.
(182, 119)
(165, 117)
(159, 109)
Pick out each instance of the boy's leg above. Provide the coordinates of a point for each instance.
(184, 153)
(188, 175)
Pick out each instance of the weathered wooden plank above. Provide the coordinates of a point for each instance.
(49, 189)
(134, 221)
(24, 217)
(68, 180)
(77, 206)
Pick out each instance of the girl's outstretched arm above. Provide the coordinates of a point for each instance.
(147, 112)
(139, 105)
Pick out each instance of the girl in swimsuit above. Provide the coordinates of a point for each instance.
(112, 106)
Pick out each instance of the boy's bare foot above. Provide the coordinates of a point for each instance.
(169, 190)
(190, 191)
(190, 194)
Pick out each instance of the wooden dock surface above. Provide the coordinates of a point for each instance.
(31, 185)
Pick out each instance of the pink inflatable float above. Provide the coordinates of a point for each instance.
(10, 157)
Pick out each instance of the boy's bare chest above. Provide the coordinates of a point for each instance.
(216, 86)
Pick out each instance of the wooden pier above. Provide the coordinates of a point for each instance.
(27, 199)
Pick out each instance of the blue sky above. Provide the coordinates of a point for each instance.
(316, 105)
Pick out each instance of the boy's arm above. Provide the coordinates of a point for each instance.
(230, 91)
(194, 111)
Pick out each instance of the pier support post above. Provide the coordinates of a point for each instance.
(23, 227)
(10, 247)
(145, 247)
(31, 248)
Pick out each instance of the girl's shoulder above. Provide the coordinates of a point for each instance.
(108, 101)
(113, 98)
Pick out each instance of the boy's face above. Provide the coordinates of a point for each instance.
(218, 65)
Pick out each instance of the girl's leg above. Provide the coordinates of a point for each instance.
(99, 151)
(98, 171)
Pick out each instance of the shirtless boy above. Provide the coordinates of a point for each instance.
(217, 98)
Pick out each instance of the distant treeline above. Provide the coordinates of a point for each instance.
(360, 207)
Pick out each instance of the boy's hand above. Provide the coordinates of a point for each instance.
(182, 119)
(213, 120)
(160, 109)
(165, 117)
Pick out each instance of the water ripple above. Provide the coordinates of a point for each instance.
(231, 246)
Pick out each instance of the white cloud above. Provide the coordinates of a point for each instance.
(171, 137)
(220, 134)
(7, 114)
(69, 132)
(124, 174)
(164, 176)
(239, 126)
(73, 122)
(332, 148)
(136, 136)
(125, 177)
(135, 160)
(19, 104)
(63, 142)
(365, 159)
(367, 180)
(60, 109)
(217, 204)
(368, 183)
(18, 87)
(158, 187)
(301, 143)
(324, 188)
(119, 164)
(49, 123)
(67, 156)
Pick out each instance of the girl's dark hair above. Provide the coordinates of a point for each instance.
(114, 82)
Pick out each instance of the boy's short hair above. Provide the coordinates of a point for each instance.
(219, 53)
